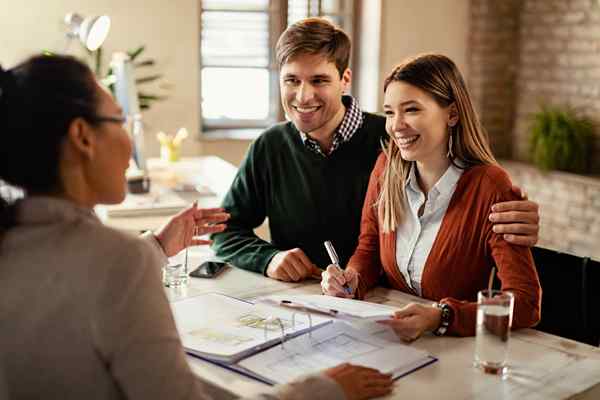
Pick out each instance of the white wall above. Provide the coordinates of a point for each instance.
(170, 30)
(413, 27)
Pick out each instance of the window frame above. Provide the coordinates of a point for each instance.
(278, 19)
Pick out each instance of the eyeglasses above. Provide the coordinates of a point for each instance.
(116, 119)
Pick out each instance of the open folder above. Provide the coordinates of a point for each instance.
(225, 329)
(277, 344)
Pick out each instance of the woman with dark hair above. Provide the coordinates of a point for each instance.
(83, 311)
(425, 222)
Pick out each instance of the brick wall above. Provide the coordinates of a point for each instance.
(493, 53)
(523, 53)
(526, 52)
(569, 208)
(559, 63)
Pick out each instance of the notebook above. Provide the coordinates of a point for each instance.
(240, 336)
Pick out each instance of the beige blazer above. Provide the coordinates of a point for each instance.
(83, 315)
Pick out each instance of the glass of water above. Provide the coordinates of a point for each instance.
(174, 275)
(494, 320)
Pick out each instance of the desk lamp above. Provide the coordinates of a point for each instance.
(91, 31)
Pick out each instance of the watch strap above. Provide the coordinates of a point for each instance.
(445, 319)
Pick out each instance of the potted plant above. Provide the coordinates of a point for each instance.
(145, 98)
(560, 139)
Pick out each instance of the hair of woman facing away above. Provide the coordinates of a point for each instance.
(438, 76)
(39, 99)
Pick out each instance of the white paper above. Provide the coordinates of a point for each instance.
(329, 346)
(224, 328)
(344, 307)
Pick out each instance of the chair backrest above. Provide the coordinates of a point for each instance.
(571, 295)
(593, 301)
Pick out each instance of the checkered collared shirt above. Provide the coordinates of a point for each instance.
(353, 119)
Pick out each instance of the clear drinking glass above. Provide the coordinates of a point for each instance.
(174, 275)
(494, 320)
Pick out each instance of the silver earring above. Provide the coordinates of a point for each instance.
(450, 154)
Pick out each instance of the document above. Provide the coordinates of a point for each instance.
(278, 344)
(335, 306)
(226, 329)
(329, 346)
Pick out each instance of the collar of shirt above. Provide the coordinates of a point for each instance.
(46, 209)
(443, 187)
(416, 234)
(353, 120)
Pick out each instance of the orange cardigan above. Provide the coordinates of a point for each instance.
(462, 255)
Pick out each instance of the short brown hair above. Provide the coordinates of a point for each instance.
(315, 36)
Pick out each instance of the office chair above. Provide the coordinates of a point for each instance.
(571, 295)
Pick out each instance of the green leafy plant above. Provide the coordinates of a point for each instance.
(560, 139)
(146, 99)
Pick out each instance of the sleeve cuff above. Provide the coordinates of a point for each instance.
(151, 238)
(361, 289)
(267, 260)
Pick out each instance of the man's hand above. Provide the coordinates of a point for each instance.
(518, 220)
(412, 321)
(181, 230)
(291, 266)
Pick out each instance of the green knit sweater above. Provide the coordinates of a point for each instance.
(308, 198)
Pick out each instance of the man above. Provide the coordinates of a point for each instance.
(309, 176)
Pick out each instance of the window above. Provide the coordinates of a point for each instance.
(239, 76)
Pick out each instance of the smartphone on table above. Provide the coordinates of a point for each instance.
(209, 269)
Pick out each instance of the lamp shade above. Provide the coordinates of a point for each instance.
(92, 31)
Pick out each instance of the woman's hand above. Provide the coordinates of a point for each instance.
(360, 382)
(181, 230)
(334, 279)
(412, 321)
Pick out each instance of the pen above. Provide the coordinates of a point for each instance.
(336, 261)
(289, 303)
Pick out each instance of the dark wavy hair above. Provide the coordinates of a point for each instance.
(39, 99)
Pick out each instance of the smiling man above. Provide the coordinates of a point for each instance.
(309, 175)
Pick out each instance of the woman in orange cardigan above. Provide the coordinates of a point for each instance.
(425, 219)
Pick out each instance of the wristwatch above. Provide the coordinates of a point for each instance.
(445, 319)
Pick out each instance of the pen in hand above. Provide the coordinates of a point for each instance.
(336, 261)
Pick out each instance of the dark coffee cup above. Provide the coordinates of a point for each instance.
(138, 185)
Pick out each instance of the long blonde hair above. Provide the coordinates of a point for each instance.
(438, 76)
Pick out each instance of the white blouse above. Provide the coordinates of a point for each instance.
(415, 235)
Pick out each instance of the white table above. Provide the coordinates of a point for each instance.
(210, 171)
(543, 366)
